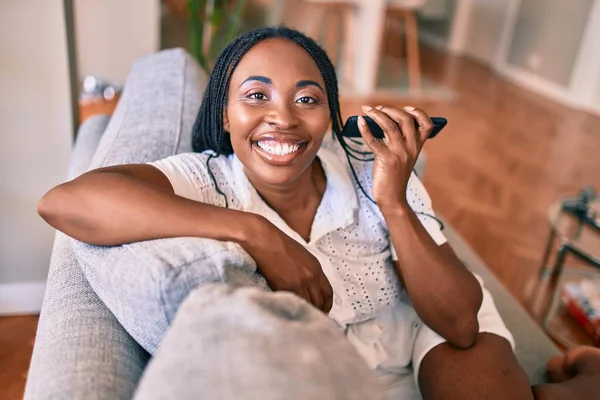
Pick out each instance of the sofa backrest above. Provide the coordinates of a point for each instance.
(156, 112)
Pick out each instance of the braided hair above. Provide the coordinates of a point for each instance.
(208, 131)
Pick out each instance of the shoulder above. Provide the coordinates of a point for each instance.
(194, 161)
(355, 156)
(197, 165)
(193, 175)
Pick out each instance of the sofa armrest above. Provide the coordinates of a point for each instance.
(81, 351)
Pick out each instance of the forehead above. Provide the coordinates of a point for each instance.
(278, 59)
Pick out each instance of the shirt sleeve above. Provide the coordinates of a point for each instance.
(420, 202)
(189, 176)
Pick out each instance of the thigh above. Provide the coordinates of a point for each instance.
(488, 370)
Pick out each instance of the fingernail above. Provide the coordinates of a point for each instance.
(361, 121)
(409, 108)
(366, 108)
(379, 107)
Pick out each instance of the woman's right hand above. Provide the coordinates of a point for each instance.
(288, 266)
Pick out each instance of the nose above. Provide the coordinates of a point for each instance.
(282, 117)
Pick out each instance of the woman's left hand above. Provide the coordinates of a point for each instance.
(396, 158)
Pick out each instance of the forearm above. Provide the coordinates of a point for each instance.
(445, 295)
(113, 209)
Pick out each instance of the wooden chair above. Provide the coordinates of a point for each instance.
(324, 19)
(404, 12)
(333, 23)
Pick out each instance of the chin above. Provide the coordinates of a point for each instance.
(279, 176)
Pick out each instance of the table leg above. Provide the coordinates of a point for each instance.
(544, 265)
(349, 51)
(559, 263)
(554, 279)
(371, 17)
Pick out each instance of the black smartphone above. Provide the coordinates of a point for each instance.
(351, 127)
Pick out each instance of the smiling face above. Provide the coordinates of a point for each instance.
(277, 112)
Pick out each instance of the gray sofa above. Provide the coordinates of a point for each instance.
(81, 350)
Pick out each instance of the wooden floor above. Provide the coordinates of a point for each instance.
(16, 343)
(504, 157)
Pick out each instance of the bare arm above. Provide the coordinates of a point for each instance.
(129, 203)
(444, 294)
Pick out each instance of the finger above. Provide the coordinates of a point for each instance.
(391, 130)
(557, 369)
(303, 292)
(316, 298)
(583, 360)
(406, 124)
(327, 292)
(425, 125)
(374, 144)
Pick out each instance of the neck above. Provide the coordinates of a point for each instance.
(303, 193)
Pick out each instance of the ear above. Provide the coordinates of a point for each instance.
(225, 119)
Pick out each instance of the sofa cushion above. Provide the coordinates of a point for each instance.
(144, 283)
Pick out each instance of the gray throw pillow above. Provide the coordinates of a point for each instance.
(144, 283)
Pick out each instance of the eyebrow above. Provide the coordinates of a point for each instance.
(268, 81)
(301, 84)
(259, 78)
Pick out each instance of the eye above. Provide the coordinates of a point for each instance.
(306, 100)
(257, 96)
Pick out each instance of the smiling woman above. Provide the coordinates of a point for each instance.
(279, 118)
(265, 175)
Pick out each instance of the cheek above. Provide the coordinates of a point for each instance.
(319, 122)
(243, 119)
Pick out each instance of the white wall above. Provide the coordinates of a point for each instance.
(547, 37)
(435, 22)
(485, 28)
(35, 132)
(112, 34)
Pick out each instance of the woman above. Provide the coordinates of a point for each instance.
(356, 239)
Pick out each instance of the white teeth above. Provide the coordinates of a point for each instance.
(278, 148)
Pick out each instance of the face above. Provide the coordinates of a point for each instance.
(277, 112)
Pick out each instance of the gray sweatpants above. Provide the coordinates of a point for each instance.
(249, 344)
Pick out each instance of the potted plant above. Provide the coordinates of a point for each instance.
(214, 23)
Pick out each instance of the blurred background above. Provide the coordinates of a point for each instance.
(518, 81)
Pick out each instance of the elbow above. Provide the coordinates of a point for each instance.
(466, 327)
(49, 206)
(464, 336)
(57, 209)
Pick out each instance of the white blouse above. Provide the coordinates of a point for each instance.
(349, 236)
